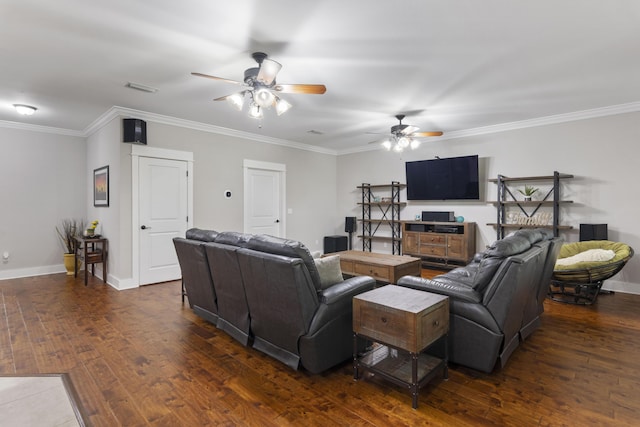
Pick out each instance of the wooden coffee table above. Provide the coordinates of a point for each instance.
(382, 267)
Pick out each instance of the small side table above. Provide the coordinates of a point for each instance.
(404, 322)
(91, 251)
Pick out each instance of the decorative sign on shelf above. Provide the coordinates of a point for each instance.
(541, 218)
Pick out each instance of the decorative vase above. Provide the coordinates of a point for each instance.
(68, 263)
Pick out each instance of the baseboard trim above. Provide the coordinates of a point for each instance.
(623, 287)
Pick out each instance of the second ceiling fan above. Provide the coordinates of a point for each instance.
(405, 136)
(260, 86)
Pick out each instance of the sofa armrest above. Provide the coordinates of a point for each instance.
(346, 289)
(443, 286)
(337, 301)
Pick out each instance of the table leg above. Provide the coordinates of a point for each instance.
(355, 356)
(86, 266)
(414, 380)
(446, 356)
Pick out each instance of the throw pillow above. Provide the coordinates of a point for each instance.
(316, 254)
(329, 270)
(589, 255)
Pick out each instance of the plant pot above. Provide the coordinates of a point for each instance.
(527, 198)
(68, 263)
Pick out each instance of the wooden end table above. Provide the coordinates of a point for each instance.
(404, 322)
(92, 251)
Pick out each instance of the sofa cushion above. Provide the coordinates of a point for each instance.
(329, 270)
(590, 255)
(202, 235)
(493, 257)
(286, 247)
(533, 235)
(233, 238)
(510, 245)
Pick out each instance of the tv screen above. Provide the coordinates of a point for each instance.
(454, 178)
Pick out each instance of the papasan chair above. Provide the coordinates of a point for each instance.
(582, 268)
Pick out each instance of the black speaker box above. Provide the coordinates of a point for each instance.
(350, 224)
(436, 216)
(134, 131)
(335, 244)
(417, 227)
(593, 232)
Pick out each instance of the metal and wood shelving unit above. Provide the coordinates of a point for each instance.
(386, 214)
(506, 200)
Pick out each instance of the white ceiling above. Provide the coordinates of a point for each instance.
(450, 65)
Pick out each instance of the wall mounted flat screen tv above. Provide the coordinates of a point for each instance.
(453, 178)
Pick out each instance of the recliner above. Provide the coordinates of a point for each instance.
(292, 318)
(488, 298)
(266, 292)
(233, 311)
(196, 277)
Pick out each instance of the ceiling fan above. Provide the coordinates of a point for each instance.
(403, 136)
(260, 87)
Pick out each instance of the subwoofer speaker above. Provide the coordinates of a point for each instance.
(350, 224)
(593, 232)
(335, 244)
(134, 131)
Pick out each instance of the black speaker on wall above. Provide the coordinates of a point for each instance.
(134, 131)
(350, 224)
(593, 232)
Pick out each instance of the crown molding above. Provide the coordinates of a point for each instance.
(613, 110)
(39, 128)
(116, 111)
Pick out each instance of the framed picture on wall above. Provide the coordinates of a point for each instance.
(101, 186)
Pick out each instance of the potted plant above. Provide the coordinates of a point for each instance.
(67, 230)
(527, 192)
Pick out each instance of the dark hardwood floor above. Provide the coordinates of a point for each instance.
(141, 357)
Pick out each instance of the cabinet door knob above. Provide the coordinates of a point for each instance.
(144, 227)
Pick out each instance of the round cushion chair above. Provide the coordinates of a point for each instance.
(580, 282)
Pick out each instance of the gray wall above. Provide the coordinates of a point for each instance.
(601, 153)
(45, 177)
(42, 181)
(218, 166)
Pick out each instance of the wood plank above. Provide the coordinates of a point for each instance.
(141, 357)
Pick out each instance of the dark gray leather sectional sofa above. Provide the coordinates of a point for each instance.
(265, 292)
(496, 300)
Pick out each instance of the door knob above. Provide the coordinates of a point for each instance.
(144, 227)
(277, 221)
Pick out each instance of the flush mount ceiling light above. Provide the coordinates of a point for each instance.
(25, 110)
(261, 88)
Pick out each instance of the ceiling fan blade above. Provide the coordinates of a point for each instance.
(268, 71)
(217, 78)
(408, 129)
(222, 98)
(424, 134)
(301, 88)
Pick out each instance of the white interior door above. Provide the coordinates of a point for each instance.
(163, 215)
(264, 198)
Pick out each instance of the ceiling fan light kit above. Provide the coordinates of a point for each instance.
(405, 136)
(260, 85)
(25, 110)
